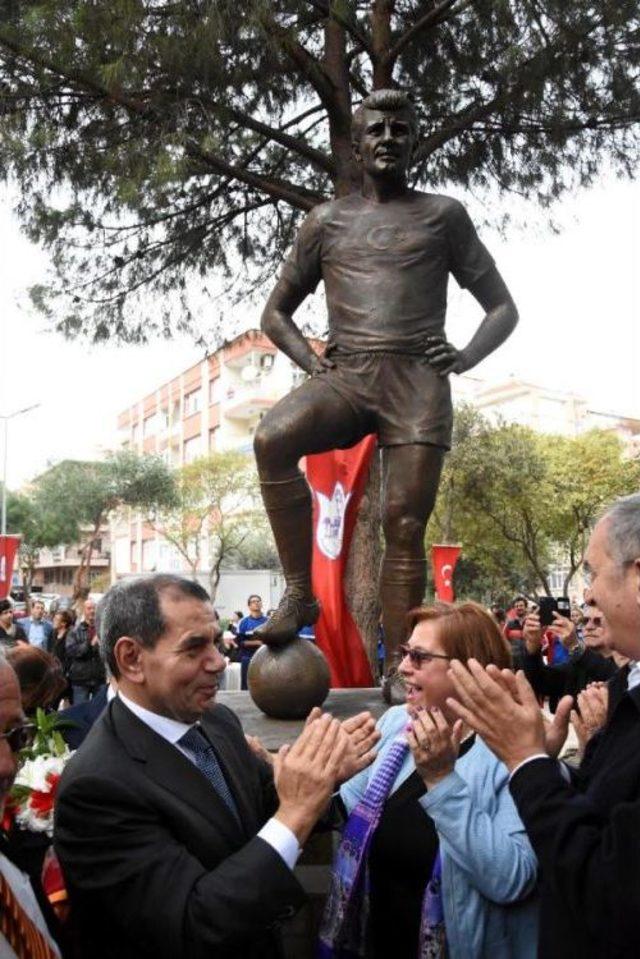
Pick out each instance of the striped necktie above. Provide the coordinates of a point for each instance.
(19, 930)
(204, 755)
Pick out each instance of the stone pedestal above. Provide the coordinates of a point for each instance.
(341, 703)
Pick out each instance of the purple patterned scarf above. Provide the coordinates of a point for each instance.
(344, 924)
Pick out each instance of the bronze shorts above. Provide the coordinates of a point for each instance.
(400, 397)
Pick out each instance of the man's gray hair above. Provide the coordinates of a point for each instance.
(391, 100)
(623, 528)
(132, 608)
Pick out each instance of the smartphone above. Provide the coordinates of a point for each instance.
(547, 606)
(564, 606)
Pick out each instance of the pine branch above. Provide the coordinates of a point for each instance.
(444, 11)
(316, 157)
(299, 197)
(305, 63)
(465, 118)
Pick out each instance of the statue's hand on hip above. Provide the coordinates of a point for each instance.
(443, 356)
(320, 365)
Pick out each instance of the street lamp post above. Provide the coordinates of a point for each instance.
(6, 417)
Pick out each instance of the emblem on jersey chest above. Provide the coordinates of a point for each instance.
(385, 237)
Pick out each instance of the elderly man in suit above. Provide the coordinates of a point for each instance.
(585, 827)
(175, 839)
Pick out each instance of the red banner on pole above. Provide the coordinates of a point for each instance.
(444, 559)
(338, 479)
(8, 549)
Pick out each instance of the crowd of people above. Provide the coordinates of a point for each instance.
(462, 832)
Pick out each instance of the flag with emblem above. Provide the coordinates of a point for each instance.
(337, 480)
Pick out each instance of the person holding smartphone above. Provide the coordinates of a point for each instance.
(582, 666)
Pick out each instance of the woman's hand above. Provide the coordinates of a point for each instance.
(434, 743)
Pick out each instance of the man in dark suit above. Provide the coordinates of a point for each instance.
(175, 840)
(82, 717)
(584, 829)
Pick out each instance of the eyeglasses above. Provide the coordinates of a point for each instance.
(419, 656)
(20, 737)
(595, 621)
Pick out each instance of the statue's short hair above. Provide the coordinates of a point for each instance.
(396, 100)
(132, 608)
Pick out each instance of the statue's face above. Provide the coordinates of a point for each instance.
(386, 143)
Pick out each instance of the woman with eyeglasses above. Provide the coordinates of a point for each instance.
(434, 860)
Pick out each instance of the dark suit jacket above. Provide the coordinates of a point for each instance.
(586, 836)
(83, 716)
(156, 865)
(568, 678)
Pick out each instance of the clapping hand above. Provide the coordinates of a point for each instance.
(593, 703)
(555, 729)
(505, 713)
(434, 744)
(362, 738)
(306, 772)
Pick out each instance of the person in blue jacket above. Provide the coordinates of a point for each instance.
(434, 859)
(247, 642)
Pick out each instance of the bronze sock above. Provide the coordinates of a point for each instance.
(402, 586)
(288, 506)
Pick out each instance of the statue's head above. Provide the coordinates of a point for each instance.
(383, 131)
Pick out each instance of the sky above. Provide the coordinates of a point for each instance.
(578, 294)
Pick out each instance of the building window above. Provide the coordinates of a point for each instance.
(215, 391)
(148, 555)
(213, 439)
(175, 413)
(192, 449)
(192, 402)
(150, 425)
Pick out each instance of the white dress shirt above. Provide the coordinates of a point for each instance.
(274, 832)
(633, 678)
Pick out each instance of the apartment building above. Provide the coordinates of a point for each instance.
(213, 406)
(57, 567)
(550, 411)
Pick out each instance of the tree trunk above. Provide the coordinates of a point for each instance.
(361, 580)
(381, 13)
(335, 63)
(82, 578)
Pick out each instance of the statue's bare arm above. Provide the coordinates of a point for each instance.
(277, 323)
(499, 322)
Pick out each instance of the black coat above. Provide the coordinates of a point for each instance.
(84, 664)
(156, 865)
(82, 716)
(586, 836)
(570, 677)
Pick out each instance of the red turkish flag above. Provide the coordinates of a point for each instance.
(444, 559)
(8, 549)
(337, 481)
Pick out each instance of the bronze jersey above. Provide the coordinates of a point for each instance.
(385, 267)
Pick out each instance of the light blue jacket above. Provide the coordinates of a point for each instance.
(488, 866)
